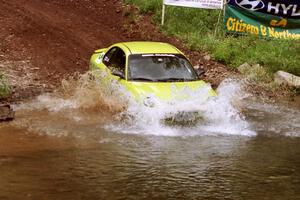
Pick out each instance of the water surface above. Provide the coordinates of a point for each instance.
(56, 150)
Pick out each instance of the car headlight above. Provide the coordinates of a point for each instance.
(149, 102)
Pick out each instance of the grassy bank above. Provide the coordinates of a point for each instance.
(4, 87)
(196, 27)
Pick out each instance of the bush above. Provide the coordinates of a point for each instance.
(5, 89)
(196, 27)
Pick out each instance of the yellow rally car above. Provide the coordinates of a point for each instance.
(148, 69)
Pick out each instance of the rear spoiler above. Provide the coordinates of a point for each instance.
(101, 50)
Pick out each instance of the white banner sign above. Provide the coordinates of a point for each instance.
(210, 4)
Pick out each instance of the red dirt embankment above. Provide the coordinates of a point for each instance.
(43, 41)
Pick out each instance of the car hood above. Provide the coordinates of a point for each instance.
(168, 90)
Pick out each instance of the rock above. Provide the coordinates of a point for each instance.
(197, 67)
(244, 67)
(282, 77)
(6, 112)
(207, 57)
(200, 72)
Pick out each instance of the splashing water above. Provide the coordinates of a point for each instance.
(86, 92)
(83, 103)
(219, 115)
(90, 100)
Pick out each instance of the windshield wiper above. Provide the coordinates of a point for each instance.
(143, 79)
(173, 79)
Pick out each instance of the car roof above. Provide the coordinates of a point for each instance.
(149, 47)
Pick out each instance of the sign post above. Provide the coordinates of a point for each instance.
(163, 14)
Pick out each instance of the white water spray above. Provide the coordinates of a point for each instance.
(219, 115)
(90, 100)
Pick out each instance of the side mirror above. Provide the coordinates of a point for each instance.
(200, 72)
(118, 73)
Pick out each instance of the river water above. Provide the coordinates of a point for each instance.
(73, 148)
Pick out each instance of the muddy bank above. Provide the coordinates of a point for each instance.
(43, 42)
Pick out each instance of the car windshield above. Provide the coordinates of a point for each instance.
(160, 68)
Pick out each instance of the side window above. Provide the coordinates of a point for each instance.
(115, 60)
(107, 57)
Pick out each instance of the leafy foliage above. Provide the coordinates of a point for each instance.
(5, 89)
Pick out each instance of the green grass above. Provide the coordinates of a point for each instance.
(5, 89)
(196, 27)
